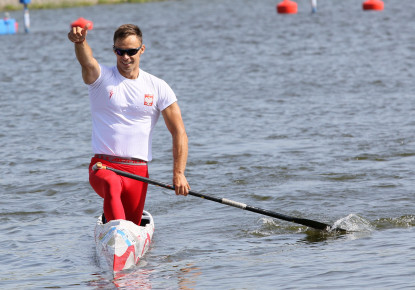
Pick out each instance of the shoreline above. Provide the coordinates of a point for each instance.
(13, 5)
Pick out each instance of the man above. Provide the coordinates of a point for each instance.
(125, 105)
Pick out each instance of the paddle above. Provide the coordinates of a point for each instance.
(301, 221)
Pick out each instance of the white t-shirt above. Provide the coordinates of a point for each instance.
(124, 112)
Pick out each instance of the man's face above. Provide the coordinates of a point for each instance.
(128, 65)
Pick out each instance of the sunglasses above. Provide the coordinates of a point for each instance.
(129, 52)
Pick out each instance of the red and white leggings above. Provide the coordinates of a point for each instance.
(124, 197)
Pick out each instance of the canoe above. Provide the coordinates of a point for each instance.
(120, 244)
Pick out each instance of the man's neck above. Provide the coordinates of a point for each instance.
(130, 75)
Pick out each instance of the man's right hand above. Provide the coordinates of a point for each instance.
(78, 34)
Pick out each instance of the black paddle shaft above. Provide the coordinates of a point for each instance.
(301, 221)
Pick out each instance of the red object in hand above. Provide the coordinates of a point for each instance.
(82, 22)
(287, 7)
(373, 5)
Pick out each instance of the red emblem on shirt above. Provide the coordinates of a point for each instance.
(148, 99)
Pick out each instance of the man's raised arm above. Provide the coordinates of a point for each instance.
(90, 66)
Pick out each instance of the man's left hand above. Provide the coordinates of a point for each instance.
(181, 186)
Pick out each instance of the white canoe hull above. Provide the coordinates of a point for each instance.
(120, 244)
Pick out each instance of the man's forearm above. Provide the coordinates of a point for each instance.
(90, 67)
(180, 152)
(84, 54)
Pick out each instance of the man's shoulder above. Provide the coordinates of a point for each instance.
(151, 78)
(146, 74)
(108, 69)
(107, 74)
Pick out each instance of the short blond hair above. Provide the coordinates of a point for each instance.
(126, 30)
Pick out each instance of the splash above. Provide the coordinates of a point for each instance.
(354, 223)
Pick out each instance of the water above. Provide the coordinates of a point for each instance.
(305, 115)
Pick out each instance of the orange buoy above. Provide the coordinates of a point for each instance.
(82, 22)
(287, 7)
(373, 5)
